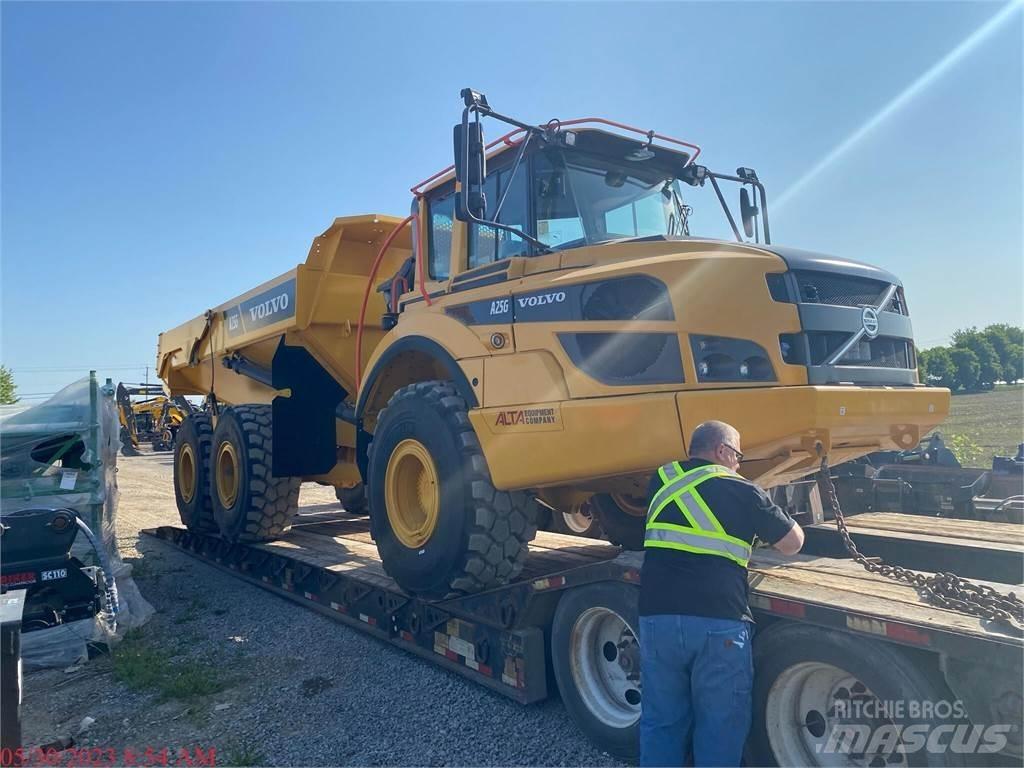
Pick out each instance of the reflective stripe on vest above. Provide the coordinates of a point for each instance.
(704, 535)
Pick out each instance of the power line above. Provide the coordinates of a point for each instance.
(81, 368)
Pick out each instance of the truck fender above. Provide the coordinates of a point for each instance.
(422, 346)
(417, 347)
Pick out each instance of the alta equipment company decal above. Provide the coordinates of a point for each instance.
(548, 419)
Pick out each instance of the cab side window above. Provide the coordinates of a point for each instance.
(442, 215)
(488, 244)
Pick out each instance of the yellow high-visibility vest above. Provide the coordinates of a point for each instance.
(703, 534)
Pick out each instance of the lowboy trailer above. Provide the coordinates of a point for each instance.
(841, 655)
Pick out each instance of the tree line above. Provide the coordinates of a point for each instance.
(976, 359)
(8, 391)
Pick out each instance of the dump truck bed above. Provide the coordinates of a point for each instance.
(315, 304)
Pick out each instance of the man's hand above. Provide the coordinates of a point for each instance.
(791, 543)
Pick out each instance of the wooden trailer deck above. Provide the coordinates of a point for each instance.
(329, 564)
(970, 548)
(343, 545)
(1002, 536)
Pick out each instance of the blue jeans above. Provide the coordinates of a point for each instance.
(697, 676)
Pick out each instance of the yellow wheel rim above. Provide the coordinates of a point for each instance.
(412, 493)
(187, 475)
(631, 505)
(227, 474)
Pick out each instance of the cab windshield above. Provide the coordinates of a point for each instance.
(584, 199)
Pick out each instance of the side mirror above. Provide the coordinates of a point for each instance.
(748, 212)
(469, 143)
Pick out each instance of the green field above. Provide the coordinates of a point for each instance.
(987, 423)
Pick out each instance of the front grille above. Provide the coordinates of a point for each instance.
(882, 352)
(845, 291)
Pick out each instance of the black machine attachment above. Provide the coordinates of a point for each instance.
(37, 558)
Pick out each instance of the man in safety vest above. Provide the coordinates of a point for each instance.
(695, 624)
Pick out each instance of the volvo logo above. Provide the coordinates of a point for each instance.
(869, 319)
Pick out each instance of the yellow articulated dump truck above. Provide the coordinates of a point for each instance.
(543, 326)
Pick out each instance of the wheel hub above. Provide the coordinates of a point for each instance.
(808, 706)
(412, 493)
(187, 473)
(227, 474)
(605, 658)
(579, 518)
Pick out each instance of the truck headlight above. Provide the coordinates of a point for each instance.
(722, 359)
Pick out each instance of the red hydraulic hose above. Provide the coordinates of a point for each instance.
(366, 296)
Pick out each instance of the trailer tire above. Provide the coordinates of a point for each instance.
(353, 500)
(441, 527)
(192, 472)
(796, 666)
(249, 503)
(595, 654)
(622, 519)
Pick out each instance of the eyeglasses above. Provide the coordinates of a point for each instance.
(739, 456)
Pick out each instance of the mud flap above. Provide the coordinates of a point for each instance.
(304, 439)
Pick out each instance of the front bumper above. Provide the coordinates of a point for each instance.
(576, 441)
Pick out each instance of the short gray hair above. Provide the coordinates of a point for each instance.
(709, 435)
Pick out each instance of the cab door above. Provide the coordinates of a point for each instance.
(487, 261)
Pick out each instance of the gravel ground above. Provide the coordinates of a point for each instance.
(295, 688)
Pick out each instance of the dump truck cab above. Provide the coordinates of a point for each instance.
(582, 310)
(548, 322)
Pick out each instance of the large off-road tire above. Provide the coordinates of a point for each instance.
(192, 474)
(353, 500)
(622, 519)
(440, 525)
(814, 687)
(249, 503)
(595, 654)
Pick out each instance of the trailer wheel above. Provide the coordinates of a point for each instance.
(824, 698)
(595, 654)
(249, 503)
(578, 520)
(192, 472)
(353, 499)
(440, 526)
(622, 518)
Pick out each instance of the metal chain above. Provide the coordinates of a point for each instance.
(944, 590)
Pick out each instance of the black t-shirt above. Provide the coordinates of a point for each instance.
(677, 582)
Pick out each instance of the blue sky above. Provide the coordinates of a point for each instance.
(159, 158)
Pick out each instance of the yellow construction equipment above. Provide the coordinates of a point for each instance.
(546, 326)
(154, 419)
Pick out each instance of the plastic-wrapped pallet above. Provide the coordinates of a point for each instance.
(62, 453)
